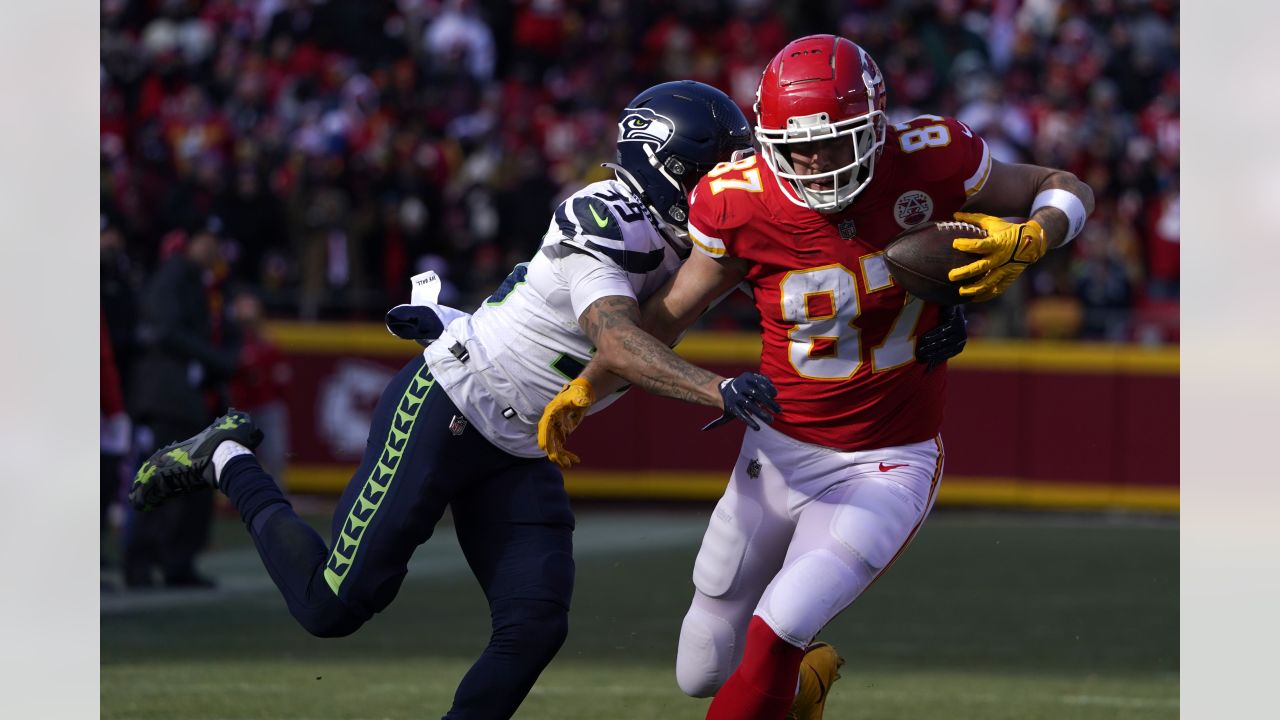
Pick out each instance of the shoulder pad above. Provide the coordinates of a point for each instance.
(607, 224)
(722, 210)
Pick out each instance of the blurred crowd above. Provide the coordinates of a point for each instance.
(335, 147)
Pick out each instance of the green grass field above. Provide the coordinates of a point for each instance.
(987, 617)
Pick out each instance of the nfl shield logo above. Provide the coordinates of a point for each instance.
(847, 229)
(457, 425)
(753, 468)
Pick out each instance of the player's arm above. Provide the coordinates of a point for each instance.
(1012, 190)
(1055, 203)
(623, 349)
(626, 353)
(642, 349)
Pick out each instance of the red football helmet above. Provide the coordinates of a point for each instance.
(821, 88)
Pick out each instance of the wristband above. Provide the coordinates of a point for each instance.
(1068, 203)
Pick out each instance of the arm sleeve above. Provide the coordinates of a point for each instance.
(590, 279)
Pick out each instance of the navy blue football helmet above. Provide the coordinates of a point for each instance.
(671, 135)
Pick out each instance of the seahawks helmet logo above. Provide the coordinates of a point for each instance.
(646, 126)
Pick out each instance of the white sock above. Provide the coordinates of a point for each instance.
(226, 450)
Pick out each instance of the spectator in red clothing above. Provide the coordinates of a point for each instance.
(259, 383)
(113, 425)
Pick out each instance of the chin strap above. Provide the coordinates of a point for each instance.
(675, 235)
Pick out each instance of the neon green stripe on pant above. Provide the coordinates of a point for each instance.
(343, 555)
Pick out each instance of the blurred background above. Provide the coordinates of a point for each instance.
(337, 147)
(295, 161)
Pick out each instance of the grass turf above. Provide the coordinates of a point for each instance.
(986, 616)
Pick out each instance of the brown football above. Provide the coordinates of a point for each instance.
(920, 258)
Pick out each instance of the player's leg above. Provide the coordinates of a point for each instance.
(388, 509)
(516, 530)
(849, 536)
(409, 473)
(846, 536)
(744, 545)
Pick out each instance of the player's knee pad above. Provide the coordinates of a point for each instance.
(876, 523)
(706, 653)
(808, 592)
(724, 545)
(532, 629)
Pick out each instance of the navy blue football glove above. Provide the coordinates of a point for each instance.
(414, 322)
(747, 397)
(944, 341)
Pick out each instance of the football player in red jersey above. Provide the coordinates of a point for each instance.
(823, 500)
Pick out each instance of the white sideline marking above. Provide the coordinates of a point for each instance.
(1112, 701)
(240, 572)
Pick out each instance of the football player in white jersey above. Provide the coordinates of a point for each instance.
(456, 426)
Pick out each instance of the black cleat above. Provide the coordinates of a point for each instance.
(181, 467)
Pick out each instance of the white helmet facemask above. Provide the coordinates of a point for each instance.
(866, 134)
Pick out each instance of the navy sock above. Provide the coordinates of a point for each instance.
(250, 488)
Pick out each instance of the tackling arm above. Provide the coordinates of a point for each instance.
(666, 315)
(625, 351)
(622, 348)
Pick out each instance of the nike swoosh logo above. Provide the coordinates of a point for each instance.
(822, 687)
(886, 467)
(601, 221)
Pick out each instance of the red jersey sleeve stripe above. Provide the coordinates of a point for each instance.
(710, 245)
(979, 178)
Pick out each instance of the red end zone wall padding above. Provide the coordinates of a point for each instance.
(1028, 424)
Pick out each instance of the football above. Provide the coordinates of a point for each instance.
(920, 258)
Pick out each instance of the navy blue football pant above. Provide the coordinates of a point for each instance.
(511, 515)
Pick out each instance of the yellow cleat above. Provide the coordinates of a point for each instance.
(818, 671)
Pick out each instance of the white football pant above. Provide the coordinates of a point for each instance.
(800, 532)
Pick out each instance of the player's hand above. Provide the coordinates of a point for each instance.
(944, 341)
(747, 397)
(414, 322)
(1007, 250)
(561, 417)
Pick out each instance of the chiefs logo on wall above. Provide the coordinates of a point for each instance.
(912, 208)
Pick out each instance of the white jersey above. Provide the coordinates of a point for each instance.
(502, 364)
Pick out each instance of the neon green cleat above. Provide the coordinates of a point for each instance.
(818, 672)
(181, 467)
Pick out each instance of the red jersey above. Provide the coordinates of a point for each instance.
(838, 333)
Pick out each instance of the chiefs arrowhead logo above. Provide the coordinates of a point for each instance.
(912, 208)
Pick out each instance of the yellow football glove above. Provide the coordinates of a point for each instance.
(561, 417)
(1007, 250)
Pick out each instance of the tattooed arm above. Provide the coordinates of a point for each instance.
(632, 354)
(622, 348)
